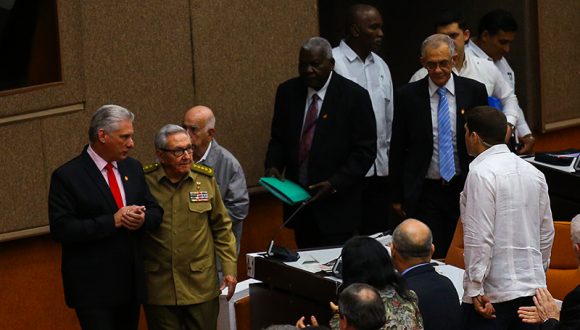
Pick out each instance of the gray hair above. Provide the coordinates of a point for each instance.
(318, 42)
(210, 122)
(108, 118)
(575, 229)
(164, 132)
(436, 40)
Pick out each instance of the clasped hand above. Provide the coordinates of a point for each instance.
(131, 217)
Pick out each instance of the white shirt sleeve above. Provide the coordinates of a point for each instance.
(478, 220)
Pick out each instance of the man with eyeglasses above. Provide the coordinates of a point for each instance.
(180, 257)
(500, 92)
(199, 122)
(428, 160)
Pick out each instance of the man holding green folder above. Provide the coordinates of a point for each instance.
(324, 138)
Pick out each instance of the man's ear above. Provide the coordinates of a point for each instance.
(454, 58)
(432, 249)
(485, 36)
(354, 30)
(466, 35)
(101, 135)
(159, 155)
(211, 132)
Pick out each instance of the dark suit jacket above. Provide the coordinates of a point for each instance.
(569, 314)
(342, 151)
(438, 299)
(412, 137)
(101, 266)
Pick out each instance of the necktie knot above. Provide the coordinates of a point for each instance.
(442, 91)
(314, 97)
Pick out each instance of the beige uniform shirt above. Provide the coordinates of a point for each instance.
(180, 255)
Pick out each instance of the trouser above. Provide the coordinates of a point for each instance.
(202, 316)
(376, 206)
(124, 317)
(506, 316)
(438, 208)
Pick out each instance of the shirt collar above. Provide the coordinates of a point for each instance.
(450, 85)
(476, 50)
(413, 267)
(99, 161)
(321, 92)
(351, 55)
(493, 150)
(204, 157)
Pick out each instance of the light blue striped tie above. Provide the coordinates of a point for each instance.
(446, 159)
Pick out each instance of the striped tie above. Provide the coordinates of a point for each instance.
(446, 159)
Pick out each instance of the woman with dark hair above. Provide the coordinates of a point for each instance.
(364, 260)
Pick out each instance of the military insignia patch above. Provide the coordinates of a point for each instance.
(198, 196)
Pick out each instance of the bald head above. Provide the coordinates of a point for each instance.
(413, 240)
(199, 122)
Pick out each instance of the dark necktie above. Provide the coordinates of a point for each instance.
(113, 185)
(308, 129)
(446, 158)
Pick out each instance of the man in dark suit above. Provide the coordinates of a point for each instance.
(545, 310)
(324, 137)
(428, 161)
(99, 206)
(411, 251)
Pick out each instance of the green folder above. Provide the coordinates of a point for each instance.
(287, 191)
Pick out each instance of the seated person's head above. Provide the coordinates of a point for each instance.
(575, 236)
(365, 260)
(412, 244)
(361, 308)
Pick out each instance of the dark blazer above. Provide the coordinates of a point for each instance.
(343, 148)
(412, 137)
(438, 299)
(569, 314)
(101, 266)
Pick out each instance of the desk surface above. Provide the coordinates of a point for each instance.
(312, 262)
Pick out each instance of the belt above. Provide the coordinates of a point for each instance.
(442, 182)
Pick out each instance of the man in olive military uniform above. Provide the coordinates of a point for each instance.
(181, 274)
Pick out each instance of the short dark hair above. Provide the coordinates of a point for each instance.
(362, 306)
(497, 20)
(489, 123)
(449, 17)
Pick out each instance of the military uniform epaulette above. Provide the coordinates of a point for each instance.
(202, 169)
(150, 168)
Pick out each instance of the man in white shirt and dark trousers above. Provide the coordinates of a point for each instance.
(496, 31)
(355, 60)
(507, 225)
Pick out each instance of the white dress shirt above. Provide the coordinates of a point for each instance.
(508, 74)
(321, 93)
(373, 75)
(486, 73)
(433, 169)
(101, 165)
(507, 225)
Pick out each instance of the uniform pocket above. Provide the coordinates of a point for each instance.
(198, 214)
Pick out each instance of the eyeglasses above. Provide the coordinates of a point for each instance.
(179, 151)
(442, 64)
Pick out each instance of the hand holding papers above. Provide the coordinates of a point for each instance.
(287, 191)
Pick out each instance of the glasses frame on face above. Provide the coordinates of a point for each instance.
(179, 152)
(445, 64)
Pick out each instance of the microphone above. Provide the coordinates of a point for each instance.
(279, 252)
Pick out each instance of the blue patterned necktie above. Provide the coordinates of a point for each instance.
(446, 159)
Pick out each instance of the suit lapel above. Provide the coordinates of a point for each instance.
(95, 174)
(425, 109)
(461, 102)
